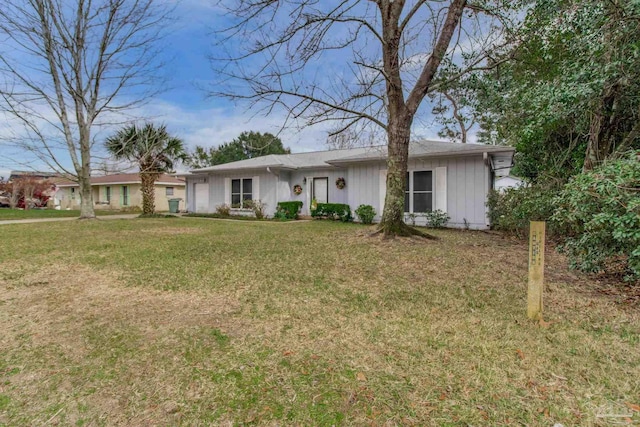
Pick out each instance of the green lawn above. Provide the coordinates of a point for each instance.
(203, 322)
(6, 214)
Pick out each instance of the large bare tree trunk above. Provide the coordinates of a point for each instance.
(84, 177)
(86, 198)
(398, 153)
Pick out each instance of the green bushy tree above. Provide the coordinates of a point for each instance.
(246, 146)
(601, 211)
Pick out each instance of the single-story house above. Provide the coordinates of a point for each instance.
(451, 177)
(39, 175)
(119, 191)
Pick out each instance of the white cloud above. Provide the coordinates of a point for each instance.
(210, 127)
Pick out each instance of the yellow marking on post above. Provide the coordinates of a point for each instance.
(536, 269)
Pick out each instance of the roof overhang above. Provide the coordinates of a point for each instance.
(476, 151)
(75, 184)
(200, 172)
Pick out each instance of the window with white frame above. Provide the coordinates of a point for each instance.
(241, 191)
(107, 194)
(418, 194)
(169, 191)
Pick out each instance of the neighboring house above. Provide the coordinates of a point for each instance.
(504, 182)
(452, 177)
(119, 191)
(33, 174)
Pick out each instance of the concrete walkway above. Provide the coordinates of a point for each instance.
(69, 218)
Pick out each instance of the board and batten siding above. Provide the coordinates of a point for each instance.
(265, 188)
(336, 195)
(466, 187)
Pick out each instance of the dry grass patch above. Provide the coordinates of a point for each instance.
(248, 324)
(76, 324)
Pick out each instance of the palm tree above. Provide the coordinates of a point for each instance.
(153, 149)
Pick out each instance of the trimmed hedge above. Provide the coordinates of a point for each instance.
(288, 210)
(334, 211)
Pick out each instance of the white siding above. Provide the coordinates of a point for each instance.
(466, 189)
(191, 188)
(265, 187)
(336, 195)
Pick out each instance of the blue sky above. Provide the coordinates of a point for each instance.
(185, 106)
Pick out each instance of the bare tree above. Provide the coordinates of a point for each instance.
(67, 68)
(454, 115)
(393, 49)
(351, 138)
(11, 190)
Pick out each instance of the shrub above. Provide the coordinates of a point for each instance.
(334, 211)
(258, 208)
(601, 213)
(288, 210)
(366, 213)
(512, 210)
(437, 218)
(280, 215)
(224, 210)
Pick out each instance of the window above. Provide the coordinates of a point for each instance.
(107, 194)
(169, 191)
(241, 191)
(125, 195)
(418, 194)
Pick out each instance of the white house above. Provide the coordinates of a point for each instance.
(451, 177)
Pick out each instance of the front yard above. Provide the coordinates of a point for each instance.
(11, 214)
(198, 322)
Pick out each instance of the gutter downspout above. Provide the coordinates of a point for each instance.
(487, 184)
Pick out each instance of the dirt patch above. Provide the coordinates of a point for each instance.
(68, 316)
(58, 293)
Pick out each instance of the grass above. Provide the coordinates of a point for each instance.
(148, 321)
(12, 214)
(234, 217)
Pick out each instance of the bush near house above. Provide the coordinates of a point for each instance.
(334, 211)
(600, 211)
(224, 210)
(365, 213)
(437, 218)
(595, 217)
(512, 210)
(288, 210)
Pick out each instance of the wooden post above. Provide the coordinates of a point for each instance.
(536, 269)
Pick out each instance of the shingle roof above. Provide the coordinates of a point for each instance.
(32, 174)
(121, 178)
(427, 148)
(320, 159)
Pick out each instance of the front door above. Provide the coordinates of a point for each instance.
(321, 190)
